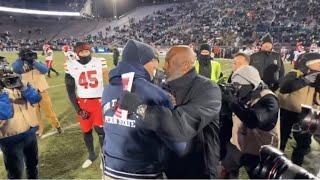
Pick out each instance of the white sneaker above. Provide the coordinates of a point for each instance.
(86, 164)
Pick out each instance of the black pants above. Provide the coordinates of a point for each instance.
(303, 140)
(191, 166)
(115, 61)
(18, 154)
(235, 159)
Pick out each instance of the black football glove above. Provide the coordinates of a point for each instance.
(83, 114)
(129, 101)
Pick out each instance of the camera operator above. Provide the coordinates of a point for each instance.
(300, 86)
(253, 121)
(33, 72)
(18, 124)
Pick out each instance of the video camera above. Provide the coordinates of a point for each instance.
(310, 122)
(274, 165)
(8, 79)
(28, 55)
(228, 87)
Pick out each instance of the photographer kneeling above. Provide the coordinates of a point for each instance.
(18, 124)
(254, 120)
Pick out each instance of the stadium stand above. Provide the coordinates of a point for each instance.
(216, 21)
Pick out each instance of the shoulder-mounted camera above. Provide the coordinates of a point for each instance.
(28, 55)
(228, 87)
(8, 79)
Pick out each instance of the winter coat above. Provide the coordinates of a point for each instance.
(215, 70)
(133, 149)
(195, 119)
(17, 112)
(295, 91)
(270, 67)
(256, 125)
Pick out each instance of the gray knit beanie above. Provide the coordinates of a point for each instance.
(247, 75)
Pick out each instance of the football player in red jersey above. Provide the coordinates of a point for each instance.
(84, 83)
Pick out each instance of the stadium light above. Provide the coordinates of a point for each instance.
(38, 12)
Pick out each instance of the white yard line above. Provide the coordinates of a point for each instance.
(55, 132)
(58, 85)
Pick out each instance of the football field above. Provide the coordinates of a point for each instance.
(61, 156)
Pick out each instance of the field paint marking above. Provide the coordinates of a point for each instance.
(58, 85)
(55, 132)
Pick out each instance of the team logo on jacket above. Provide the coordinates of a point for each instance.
(118, 117)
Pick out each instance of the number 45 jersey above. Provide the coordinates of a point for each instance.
(88, 78)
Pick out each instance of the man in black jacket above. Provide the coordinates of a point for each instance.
(268, 63)
(252, 121)
(195, 118)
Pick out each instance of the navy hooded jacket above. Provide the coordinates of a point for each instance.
(133, 150)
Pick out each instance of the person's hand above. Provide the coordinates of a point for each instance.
(129, 101)
(84, 114)
(228, 97)
(172, 99)
(2, 123)
(311, 78)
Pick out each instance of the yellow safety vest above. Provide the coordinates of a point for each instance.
(215, 70)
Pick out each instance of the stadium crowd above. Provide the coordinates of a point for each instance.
(217, 22)
(222, 22)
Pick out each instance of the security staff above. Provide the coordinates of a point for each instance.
(206, 66)
(300, 86)
(268, 63)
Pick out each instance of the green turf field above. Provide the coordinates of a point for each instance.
(61, 156)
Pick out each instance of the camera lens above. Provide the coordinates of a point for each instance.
(274, 165)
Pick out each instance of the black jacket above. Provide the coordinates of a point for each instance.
(270, 67)
(194, 119)
(263, 115)
(292, 82)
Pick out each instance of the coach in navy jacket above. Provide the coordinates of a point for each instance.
(131, 150)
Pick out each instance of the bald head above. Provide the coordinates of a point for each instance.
(179, 60)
